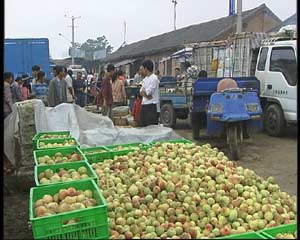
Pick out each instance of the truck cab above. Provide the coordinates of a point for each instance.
(276, 69)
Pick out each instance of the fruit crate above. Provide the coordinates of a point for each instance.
(96, 157)
(248, 235)
(38, 136)
(124, 152)
(59, 140)
(271, 233)
(73, 165)
(92, 223)
(172, 141)
(51, 152)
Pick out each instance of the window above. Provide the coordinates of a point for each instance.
(283, 60)
(262, 59)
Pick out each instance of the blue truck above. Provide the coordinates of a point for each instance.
(232, 113)
(20, 54)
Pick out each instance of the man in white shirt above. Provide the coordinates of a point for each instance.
(150, 94)
(69, 81)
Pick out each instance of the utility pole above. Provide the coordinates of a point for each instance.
(239, 17)
(175, 3)
(73, 37)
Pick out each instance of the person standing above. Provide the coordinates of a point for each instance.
(118, 91)
(57, 93)
(40, 88)
(7, 103)
(35, 71)
(25, 94)
(150, 93)
(16, 90)
(106, 97)
(137, 78)
(70, 91)
(79, 86)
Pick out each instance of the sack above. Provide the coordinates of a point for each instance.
(121, 111)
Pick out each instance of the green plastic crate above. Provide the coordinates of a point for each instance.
(60, 140)
(172, 141)
(51, 152)
(38, 136)
(248, 235)
(271, 233)
(56, 167)
(92, 222)
(124, 152)
(96, 157)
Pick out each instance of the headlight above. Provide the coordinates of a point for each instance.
(216, 108)
(252, 107)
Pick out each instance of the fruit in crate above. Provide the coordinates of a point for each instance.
(94, 151)
(66, 143)
(59, 158)
(54, 136)
(65, 200)
(177, 190)
(63, 175)
(123, 148)
(286, 235)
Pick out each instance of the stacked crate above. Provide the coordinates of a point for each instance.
(27, 130)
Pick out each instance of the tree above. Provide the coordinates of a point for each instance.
(100, 43)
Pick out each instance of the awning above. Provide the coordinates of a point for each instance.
(125, 62)
(186, 52)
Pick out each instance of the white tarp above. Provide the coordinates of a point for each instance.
(90, 129)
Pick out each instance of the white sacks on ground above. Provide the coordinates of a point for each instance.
(90, 129)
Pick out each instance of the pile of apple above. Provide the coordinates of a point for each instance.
(59, 158)
(54, 136)
(63, 175)
(176, 190)
(66, 143)
(65, 200)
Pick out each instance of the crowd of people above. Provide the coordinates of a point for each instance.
(107, 91)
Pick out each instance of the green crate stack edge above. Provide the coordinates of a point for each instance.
(93, 222)
(27, 130)
(270, 233)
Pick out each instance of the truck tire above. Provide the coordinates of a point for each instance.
(195, 122)
(233, 141)
(168, 115)
(274, 121)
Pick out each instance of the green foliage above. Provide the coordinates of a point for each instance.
(100, 43)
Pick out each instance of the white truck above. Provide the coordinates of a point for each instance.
(276, 69)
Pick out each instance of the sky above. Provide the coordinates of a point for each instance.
(144, 18)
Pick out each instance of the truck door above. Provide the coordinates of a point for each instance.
(282, 79)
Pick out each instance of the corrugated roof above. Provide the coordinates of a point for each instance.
(292, 20)
(176, 39)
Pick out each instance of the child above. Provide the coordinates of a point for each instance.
(137, 108)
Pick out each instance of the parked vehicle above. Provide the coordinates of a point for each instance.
(277, 72)
(175, 100)
(20, 54)
(233, 113)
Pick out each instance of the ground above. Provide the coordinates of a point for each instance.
(267, 156)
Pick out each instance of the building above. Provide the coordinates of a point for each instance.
(292, 20)
(159, 48)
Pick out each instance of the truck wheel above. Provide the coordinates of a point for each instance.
(274, 121)
(233, 140)
(195, 122)
(168, 115)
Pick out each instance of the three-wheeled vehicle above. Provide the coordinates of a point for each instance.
(232, 113)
